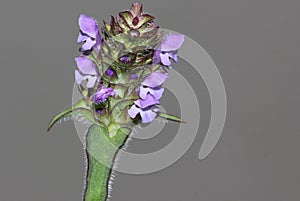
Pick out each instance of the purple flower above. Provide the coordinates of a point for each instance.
(87, 71)
(109, 72)
(150, 91)
(165, 58)
(147, 115)
(99, 111)
(89, 34)
(148, 101)
(146, 108)
(152, 85)
(168, 49)
(124, 59)
(102, 94)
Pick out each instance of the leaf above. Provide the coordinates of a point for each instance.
(170, 117)
(79, 110)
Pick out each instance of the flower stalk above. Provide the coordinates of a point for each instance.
(101, 152)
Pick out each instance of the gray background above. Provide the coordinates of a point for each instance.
(254, 43)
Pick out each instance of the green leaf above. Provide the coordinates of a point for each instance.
(78, 110)
(170, 117)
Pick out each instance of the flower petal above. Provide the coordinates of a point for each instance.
(102, 94)
(147, 116)
(109, 72)
(149, 101)
(81, 37)
(157, 93)
(165, 59)
(156, 56)
(91, 81)
(143, 92)
(86, 66)
(133, 111)
(79, 77)
(155, 79)
(173, 56)
(88, 44)
(88, 25)
(155, 109)
(97, 46)
(172, 42)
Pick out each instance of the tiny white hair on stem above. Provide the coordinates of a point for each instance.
(114, 166)
(86, 170)
(110, 184)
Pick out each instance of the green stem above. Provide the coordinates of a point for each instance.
(101, 152)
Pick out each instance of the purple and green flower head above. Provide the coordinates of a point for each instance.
(120, 72)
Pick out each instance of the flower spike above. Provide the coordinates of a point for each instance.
(121, 74)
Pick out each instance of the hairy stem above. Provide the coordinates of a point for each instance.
(101, 151)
